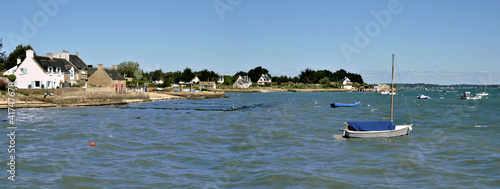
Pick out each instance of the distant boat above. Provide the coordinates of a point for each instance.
(482, 94)
(377, 128)
(344, 105)
(386, 92)
(467, 96)
(423, 97)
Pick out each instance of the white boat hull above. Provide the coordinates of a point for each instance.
(399, 131)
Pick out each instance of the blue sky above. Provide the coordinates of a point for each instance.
(442, 42)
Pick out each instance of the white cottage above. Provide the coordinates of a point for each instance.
(264, 80)
(195, 80)
(39, 72)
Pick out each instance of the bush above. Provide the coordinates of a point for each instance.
(12, 77)
(3, 85)
(75, 85)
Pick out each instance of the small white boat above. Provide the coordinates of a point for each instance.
(386, 92)
(482, 94)
(423, 97)
(377, 128)
(386, 129)
(467, 96)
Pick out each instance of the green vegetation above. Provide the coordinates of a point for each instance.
(11, 77)
(2, 55)
(19, 52)
(23, 93)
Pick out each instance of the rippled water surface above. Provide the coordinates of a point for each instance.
(259, 140)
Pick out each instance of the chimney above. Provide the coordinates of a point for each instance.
(30, 54)
(99, 66)
(49, 54)
(76, 53)
(113, 66)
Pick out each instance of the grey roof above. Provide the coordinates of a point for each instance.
(91, 70)
(266, 77)
(77, 61)
(114, 74)
(46, 62)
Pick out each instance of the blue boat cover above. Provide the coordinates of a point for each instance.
(372, 126)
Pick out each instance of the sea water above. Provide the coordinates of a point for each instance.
(259, 140)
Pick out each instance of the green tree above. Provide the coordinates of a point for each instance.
(157, 75)
(19, 52)
(228, 80)
(187, 75)
(128, 68)
(324, 81)
(237, 74)
(255, 73)
(205, 75)
(2, 53)
(307, 76)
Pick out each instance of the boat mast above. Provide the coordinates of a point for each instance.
(392, 88)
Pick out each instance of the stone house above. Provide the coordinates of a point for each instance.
(107, 77)
(242, 82)
(207, 84)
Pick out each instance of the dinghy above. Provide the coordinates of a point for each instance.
(423, 97)
(333, 105)
(377, 128)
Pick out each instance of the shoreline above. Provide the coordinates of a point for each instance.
(35, 101)
(270, 90)
(38, 101)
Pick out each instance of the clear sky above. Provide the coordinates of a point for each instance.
(442, 42)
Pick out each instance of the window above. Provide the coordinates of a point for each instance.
(24, 70)
(37, 84)
(50, 70)
(71, 74)
(58, 70)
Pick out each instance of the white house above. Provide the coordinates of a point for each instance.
(264, 80)
(195, 80)
(220, 79)
(345, 81)
(39, 72)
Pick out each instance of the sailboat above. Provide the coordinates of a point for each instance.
(377, 128)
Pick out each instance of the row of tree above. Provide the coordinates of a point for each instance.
(307, 76)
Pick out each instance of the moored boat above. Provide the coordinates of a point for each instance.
(333, 105)
(482, 94)
(377, 128)
(423, 97)
(467, 96)
(374, 129)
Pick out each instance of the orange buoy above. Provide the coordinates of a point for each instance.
(92, 144)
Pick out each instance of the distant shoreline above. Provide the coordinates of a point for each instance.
(264, 90)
